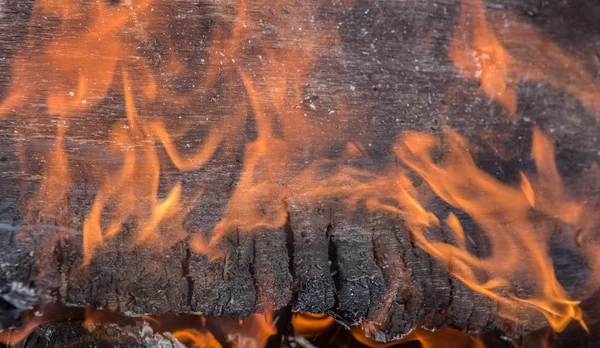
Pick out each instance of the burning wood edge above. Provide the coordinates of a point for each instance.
(315, 263)
(388, 268)
(384, 269)
(274, 329)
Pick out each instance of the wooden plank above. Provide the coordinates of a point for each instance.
(369, 71)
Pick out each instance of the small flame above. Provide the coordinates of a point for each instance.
(251, 332)
(477, 53)
(254, 331)
(446, 338)
(14, 336)
(196, 331)
(197, 337)
(132, 186)
(32, 320)
(500, 50)
(193, 338)
(76, 81)
(53, 191)
(309, 325)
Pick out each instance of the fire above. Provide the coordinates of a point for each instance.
(273, 93)
(500, 50)
(251, 332)
(32, 320)
(309, 325)
(504, 214)
(254, 331)
(94, 59)
(77, 83)
(478, 54)
(446, 338)
(193, 338)
(131, 187)
(518, 241)
(13, 337)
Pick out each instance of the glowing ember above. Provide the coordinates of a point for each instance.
(446, 338)
(310, 325)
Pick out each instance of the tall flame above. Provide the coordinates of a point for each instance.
(95, 53)
(504, 214)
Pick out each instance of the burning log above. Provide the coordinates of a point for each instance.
(339, 157)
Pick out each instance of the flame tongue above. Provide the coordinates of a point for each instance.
(446, 338)
(518, 247)
(477, 53)
(500, 50)
(266, 59)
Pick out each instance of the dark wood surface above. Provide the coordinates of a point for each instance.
(382, 67)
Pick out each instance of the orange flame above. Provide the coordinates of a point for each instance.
(13, 337)
(131, 193)
(133, 185)
(75, 81)
(446, 338)
(285, 162)
(250, 332)
(481, 56)
(500, 50)
(196, 337)
(254, 331)
(503, 213)
(32, 320)
(309, 325)
(193, 338)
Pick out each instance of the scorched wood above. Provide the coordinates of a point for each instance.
(337, 84)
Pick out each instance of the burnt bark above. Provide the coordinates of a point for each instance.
(374, 273)
(393, 72)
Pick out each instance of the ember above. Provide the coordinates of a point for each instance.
(274, 173)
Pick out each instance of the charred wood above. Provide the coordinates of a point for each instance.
(393, 72)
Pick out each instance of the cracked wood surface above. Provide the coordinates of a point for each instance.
(394, 74)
